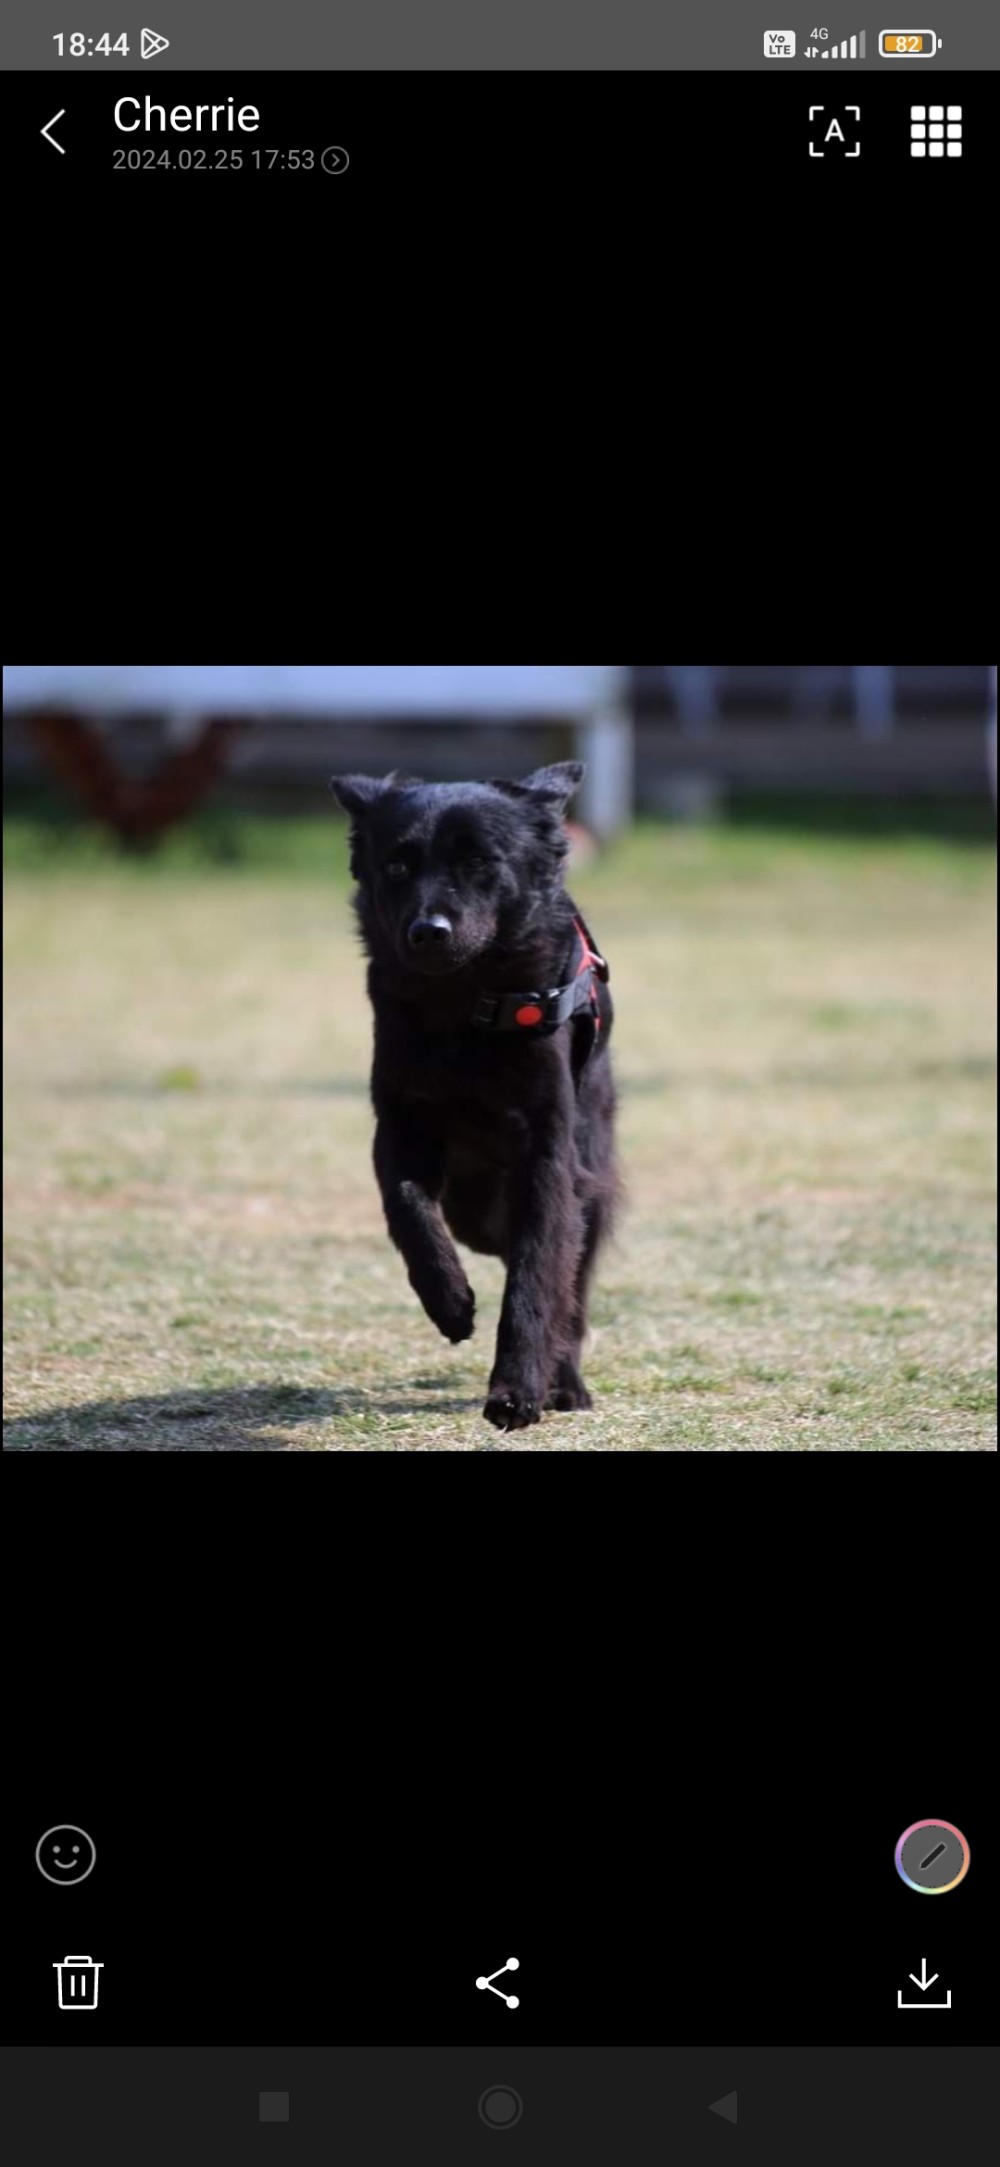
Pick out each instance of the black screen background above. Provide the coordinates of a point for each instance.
(669, 1867)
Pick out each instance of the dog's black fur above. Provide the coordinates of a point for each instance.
(506, 1137)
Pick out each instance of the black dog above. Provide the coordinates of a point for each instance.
(491, 1079)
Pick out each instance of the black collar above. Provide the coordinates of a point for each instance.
(540, 1012)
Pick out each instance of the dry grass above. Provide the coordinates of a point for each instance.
(196, 1259)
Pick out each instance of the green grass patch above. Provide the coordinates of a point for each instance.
(195, 1253)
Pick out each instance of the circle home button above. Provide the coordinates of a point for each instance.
(500, 2107)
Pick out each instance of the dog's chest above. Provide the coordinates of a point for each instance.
(479, 1091)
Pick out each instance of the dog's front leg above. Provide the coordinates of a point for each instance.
(546, 1238)
(410, 1170)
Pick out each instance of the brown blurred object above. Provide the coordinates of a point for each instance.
(138, 808)
(582, 845)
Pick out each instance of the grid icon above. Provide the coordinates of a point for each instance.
(935, 131)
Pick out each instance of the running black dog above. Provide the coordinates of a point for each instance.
(491, 1079)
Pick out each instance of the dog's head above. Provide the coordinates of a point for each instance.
(445, 870)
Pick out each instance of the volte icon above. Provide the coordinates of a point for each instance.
(151, 44)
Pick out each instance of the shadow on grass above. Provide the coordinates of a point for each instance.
(235, 1420)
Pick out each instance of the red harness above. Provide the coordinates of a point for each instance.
(590, 961)
(544, 1012)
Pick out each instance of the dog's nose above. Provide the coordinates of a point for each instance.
(424, 932)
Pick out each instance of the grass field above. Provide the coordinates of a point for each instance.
(195, 1255)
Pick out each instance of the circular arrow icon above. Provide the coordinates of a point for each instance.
(335, 159)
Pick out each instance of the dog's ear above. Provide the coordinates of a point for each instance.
(555, 785)
(559, 781)
(356, 793)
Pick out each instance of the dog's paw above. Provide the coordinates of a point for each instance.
(567, 1399)
(510, 1410)
(453, 1310)
(568, 1393)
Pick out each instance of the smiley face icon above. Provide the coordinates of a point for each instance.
(65, 1854)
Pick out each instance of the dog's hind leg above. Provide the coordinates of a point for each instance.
(410, 1168)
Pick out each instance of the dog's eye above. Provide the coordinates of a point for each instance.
(397, 869)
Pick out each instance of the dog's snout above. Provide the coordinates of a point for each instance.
(429, 932)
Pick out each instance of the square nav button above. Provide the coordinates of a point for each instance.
(273, 2106)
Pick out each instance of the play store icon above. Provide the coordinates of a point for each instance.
(152, 43)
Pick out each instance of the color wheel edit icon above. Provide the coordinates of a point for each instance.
(932, 1856)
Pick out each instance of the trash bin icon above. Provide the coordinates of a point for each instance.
(78, 1982)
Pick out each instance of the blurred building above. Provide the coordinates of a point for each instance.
(659, 737)
(849, 729)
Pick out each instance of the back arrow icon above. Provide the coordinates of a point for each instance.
(60, 147)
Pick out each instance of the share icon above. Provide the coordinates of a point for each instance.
(510, 1999)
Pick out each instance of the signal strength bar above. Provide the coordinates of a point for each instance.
(848, 49)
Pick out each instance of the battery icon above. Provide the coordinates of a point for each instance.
(908, 44)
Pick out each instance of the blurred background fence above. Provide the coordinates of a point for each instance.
(141, 747)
